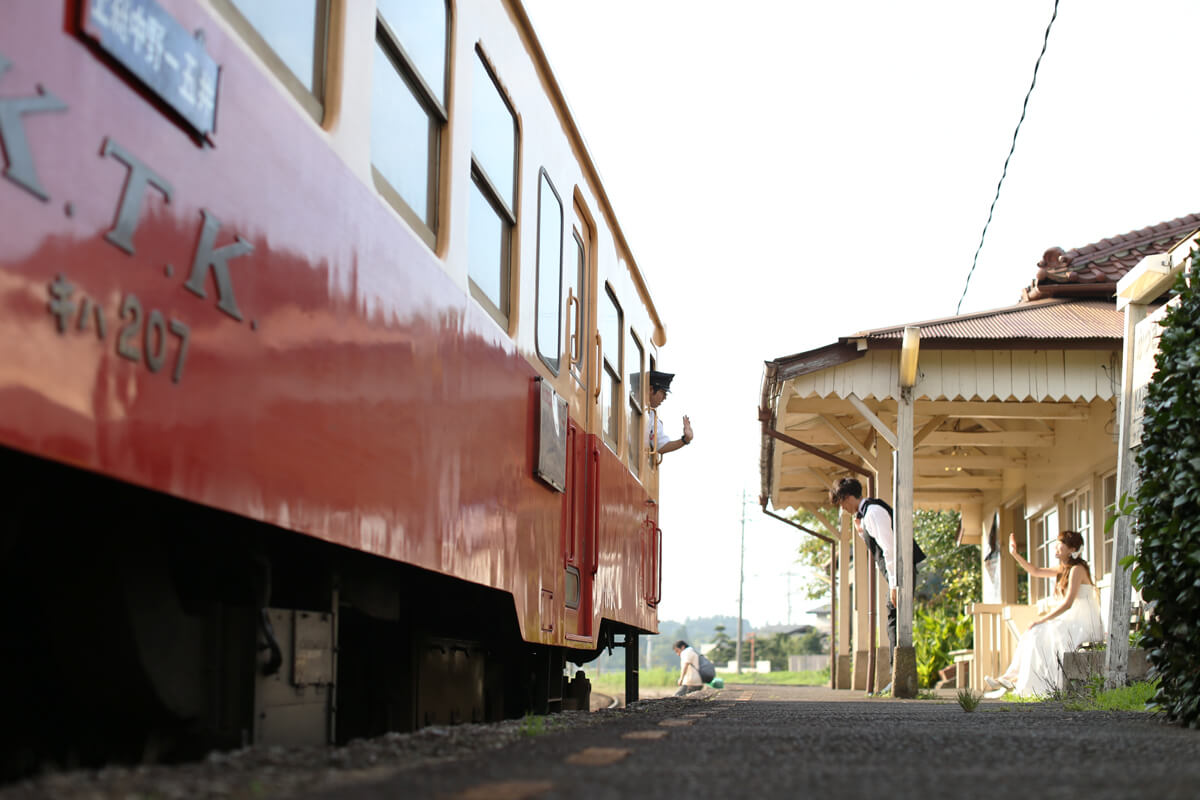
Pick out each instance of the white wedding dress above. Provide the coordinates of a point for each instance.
(1037, 666)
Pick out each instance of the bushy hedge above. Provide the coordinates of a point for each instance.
(1168, 508)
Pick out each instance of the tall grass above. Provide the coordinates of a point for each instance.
(1093, 697)
(1135, 697)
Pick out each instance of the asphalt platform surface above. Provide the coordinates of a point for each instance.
(784, 742)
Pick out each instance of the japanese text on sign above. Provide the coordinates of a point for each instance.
(148, 42)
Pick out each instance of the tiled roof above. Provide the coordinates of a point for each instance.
(1054, 318)
(1093, 270)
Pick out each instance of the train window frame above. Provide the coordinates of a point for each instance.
(577, 330)
(437, 115)
(637, 407)
(311, 100)
(499, 308)
(612, 403)
(554, 362)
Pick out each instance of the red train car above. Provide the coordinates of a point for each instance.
(321, 406)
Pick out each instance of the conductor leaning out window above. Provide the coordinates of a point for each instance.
(660, 387)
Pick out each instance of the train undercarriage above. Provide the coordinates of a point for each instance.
(141, 627)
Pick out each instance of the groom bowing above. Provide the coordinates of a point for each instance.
(873, 521)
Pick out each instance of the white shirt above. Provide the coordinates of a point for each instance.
(658, 433)
(877, 522)
(691, 677)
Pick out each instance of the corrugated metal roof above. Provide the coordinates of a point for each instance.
(1041, 319)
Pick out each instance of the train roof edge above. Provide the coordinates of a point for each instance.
(543, 64)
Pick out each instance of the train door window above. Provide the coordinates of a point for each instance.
(636, 356)
(575, 280)
(609, 343)
(549, 274)
(408, 107)
(290, 37)
(493, 193)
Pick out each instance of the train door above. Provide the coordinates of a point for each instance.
(580, 553)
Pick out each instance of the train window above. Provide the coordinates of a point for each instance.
(420, 28)
(290, 37)
(408, 107)
(549, 273)
(493, 192)
(609, 330)
(636, 357)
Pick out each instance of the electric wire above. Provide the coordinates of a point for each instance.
(1004, 172)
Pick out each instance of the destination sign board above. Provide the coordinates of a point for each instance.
(160, 52)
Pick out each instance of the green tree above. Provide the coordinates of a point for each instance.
(725, 649)
(814, 642)
(814, 553)
(948, 579)
(950, 575)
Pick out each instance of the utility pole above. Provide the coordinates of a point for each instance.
(741, 581)
(789, 576)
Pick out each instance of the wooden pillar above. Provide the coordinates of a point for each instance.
(904, 664)
(1008, 565)
(845, 616)
(1116, 660)
(885, 459)
(862, 562)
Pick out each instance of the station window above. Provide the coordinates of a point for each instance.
(609, 327)
(1079, 518)
(493, 193)
(290, 36)
(408, 107)
(636, 355)
(1045, 534)
(549, 273)
(1104, 557)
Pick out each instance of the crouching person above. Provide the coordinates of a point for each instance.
(689, 669)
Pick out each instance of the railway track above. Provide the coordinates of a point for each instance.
(601, 701)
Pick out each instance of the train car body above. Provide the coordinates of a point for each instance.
(320, 376)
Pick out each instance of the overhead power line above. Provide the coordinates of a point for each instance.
(1004, 172)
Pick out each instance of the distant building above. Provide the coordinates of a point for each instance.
(787, 630)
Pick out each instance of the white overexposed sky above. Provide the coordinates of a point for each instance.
(790, 171)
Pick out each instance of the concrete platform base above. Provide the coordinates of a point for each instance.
(904, 672)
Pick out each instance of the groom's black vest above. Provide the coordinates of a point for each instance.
(873, 546)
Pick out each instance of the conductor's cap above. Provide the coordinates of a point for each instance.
(660, 380)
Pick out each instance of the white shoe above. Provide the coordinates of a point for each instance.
(995, 694)
(991, 682)
(1006, 683)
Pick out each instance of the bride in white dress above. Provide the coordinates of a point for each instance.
(1037, 667)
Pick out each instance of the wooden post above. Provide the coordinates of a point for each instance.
(1116, 657)
(846, 607)
(863, 619)
(886, 490)
(904, 662)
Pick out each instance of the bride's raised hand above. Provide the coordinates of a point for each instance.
(1012, 543)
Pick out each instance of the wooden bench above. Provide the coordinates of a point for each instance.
(962, 667)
